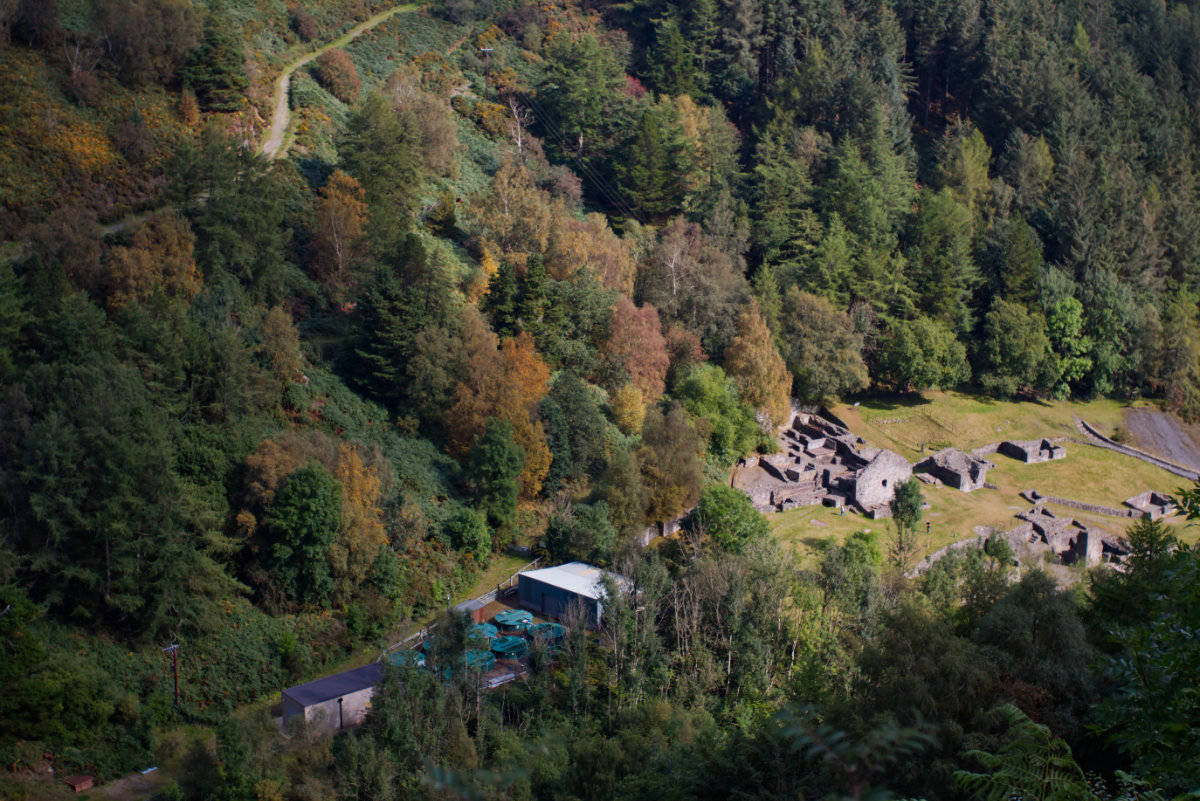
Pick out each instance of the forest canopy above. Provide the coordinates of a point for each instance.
(535, 276)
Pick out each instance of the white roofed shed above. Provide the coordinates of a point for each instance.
(553, 591)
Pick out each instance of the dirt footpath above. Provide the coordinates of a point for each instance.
(1164, 435)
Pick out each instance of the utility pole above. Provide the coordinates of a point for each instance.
(173, 650)
(487, 67)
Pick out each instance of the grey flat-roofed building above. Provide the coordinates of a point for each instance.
(334, 702)
(552, 591)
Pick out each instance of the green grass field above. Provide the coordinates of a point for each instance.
(941, 419)
(938, 419)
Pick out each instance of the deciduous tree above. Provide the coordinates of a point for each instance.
(921, 354)
(576, 244)
(1015, 349)
(669, 461)
(158, 258)
(822, 349)
(341, 216)
(757, 369)
(336, 72)
(468, 532)
(727, 519)
(149, 40)
(693, 283)
(636, 345)
(366, 484)
(906, 512)
(711, 397)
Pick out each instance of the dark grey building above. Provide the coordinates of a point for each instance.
(553, 591)
(334, 702)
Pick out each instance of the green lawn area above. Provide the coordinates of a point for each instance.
(1089, 474)
(501, 569)
(938, 419)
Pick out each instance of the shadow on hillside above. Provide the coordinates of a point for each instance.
(892, 402)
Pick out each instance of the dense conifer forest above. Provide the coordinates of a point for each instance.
(538, 274)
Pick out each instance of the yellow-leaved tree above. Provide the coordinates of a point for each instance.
(754, 364)
(506, 383)
(364, 484)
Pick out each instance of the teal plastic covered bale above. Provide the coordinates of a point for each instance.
(407, 659)
(510, 647)
(479, 660)
(482, 633)
(548, 633)
(511, 620)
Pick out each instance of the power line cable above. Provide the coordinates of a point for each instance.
(612, 195)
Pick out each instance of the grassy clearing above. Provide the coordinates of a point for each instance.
(501, 569)
(1088, 474)
(937, 419)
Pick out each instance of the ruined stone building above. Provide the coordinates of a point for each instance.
(1154, 504)
(1032, 450)
(1069, 539)
(820, 462)
(954, 468)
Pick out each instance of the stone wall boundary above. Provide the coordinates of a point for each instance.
(1099, 440)
(1015, 537)
(1094, 508)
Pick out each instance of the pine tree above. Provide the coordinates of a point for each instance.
(496, 461)
(216, 71)
(942, 269)
(382, 150)
(558, 440)
(500, 303)
(532, 302)
(13, 316)
(670, 63)
(1019, 268)
(650, 175)
(784, 223)
(303, 521)
(588, 429)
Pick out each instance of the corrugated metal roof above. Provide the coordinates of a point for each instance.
(351, 681)
(577, 577)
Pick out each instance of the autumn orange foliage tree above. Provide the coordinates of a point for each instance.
(341, 216)
(339, 76)
(366, 480)
(516, 215)
(281, 345)
(628, 409)
(158, 258)
(637, 346)
(506, 384)
(575, 244)
(754, 364)
(669, 463)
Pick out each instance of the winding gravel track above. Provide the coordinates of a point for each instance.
(272, 146)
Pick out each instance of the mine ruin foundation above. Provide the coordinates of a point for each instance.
(822, 462)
